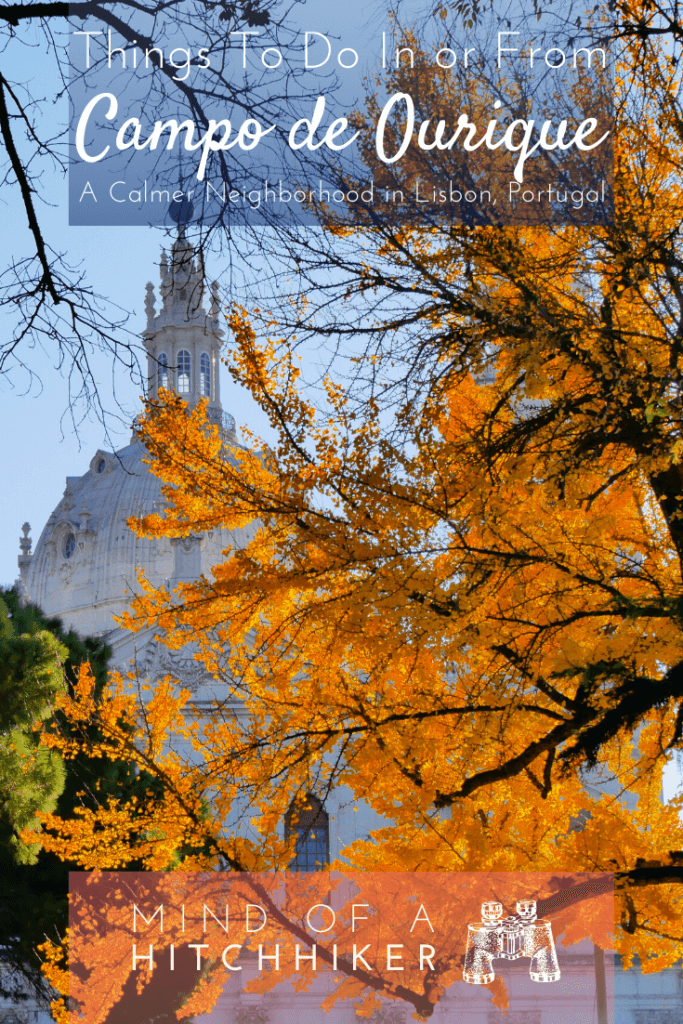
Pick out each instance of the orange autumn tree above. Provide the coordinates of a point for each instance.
(463, 601)
(440, 693)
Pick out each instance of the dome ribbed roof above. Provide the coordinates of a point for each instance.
(86, 557)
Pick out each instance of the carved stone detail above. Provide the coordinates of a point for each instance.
(149, 303)
(25, 542)
(215, 301)
(102, 463)
(187, 551)
(13, 1015)
(251, 1015)
(157, 661)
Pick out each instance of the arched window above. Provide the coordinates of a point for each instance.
(162, 370)
(183, 372)
(205, 375)
(310, 823)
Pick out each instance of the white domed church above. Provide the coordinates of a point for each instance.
(84, 569)
(85, 563)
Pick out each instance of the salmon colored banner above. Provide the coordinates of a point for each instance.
(288, 947)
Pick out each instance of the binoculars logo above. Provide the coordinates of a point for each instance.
(520, 935)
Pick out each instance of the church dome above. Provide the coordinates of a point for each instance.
(87, 559)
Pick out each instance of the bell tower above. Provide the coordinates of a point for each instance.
(182, 340)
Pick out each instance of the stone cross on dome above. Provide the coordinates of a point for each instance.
(183, 340)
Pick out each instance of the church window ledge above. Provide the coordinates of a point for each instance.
(205, 376)
(162, 370)
(102, 463)
(184, 372)
(310, 824)
(69, 545)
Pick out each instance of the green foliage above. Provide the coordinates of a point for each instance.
(37, 659)
(32, 777)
